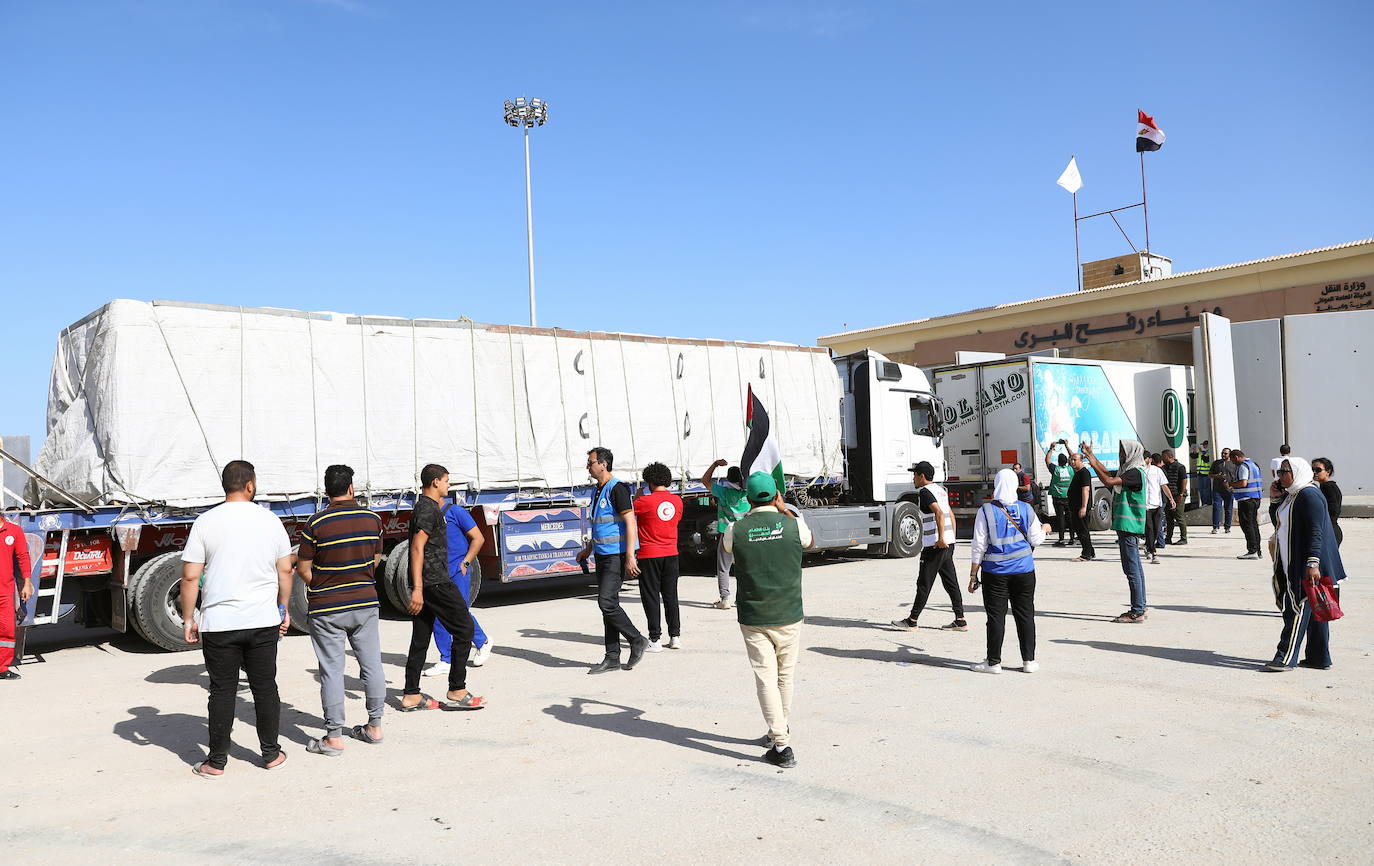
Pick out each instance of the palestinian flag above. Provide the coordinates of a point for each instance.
(1149, 136)
(761, 452)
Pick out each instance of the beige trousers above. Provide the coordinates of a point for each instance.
(773, 655)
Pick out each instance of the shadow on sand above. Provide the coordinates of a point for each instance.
(631, 723)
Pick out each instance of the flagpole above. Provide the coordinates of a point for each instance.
(1144, 202)
(1077, 256)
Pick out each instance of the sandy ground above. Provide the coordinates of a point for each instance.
(1150, 743)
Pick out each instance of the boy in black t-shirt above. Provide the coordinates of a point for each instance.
(434, 596)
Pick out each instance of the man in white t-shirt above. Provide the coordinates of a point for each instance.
(1275, 462)
(1156, 492)
(242, 551)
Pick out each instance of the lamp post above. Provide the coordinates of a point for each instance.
(522, 114)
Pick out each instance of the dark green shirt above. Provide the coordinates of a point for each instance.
(768, 554)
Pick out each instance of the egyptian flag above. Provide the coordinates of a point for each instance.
(1149, 136)
(761, 452)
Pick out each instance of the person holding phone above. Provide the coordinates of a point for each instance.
(1128, 518)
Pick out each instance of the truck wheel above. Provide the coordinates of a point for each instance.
(395, 579)
(297, 606)
(1100, 514)
(474, 581)
(906, 531)
(155, 593)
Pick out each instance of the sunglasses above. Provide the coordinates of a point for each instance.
(1288, 471)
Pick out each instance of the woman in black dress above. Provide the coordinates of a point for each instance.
(1322, 470)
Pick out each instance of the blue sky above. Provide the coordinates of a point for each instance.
(745, 170)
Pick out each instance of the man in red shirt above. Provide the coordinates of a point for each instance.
(657, 515)
(16, 571)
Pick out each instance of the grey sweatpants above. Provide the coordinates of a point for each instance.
(724, 559)
(328, 633)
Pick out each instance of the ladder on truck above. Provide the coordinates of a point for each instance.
(38, 550)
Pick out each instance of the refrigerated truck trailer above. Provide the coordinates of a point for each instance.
(1001, 412)
(149, 399)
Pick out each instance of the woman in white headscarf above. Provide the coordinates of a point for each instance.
(1305, 548)
(1005, 533)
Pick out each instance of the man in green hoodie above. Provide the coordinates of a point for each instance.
(767, 545)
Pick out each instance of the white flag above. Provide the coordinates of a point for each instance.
(1071, 180)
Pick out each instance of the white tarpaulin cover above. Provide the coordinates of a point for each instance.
(148, 401)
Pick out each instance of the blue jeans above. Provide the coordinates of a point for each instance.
(1203, 485)
(1130, 564)
(1222, 499)
(443, 640)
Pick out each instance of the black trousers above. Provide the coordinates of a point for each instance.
(1019, 589)
(1061, 510)
(1299, 624)
(658, 584)
(1174, 517)
(445, 603)
(610, 574)
(1152, 518)
(937, 561)
(1248, 514)
(1085, 536)
(254, 651)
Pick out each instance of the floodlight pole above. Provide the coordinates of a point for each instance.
(524, 113)
(529, 224)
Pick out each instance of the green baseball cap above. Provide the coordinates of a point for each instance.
(760, 488)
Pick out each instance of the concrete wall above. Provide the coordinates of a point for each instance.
(1258, 351)
(1330, 392)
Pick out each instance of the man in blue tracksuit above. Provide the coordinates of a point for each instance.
(464, 542)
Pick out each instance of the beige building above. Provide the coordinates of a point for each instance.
(1140, 320)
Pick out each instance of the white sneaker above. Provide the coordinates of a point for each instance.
(1030, 667)
(723, 604)
(655, 646)
(674, 643)
(984, 668)
(480, 657)
(438, 669)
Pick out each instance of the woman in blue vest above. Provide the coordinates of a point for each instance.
(1005, 533)
(1304, 548)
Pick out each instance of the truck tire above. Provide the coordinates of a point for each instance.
(154, 591)
(1100, 514)
(474, 581)
(906, 531)
(395, 577)
(297, 606)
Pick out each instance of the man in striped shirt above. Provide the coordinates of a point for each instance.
(339, 550)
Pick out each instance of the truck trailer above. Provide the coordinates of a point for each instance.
(148, 401)
(1000, 412)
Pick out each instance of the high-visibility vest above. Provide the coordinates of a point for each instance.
(1128, 509)
(929, 532)
(608, 527)
(1254, 486)
(1202, 464)
(1009, 550)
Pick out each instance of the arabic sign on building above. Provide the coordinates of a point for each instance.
(1127, 325)
(1070, 329)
